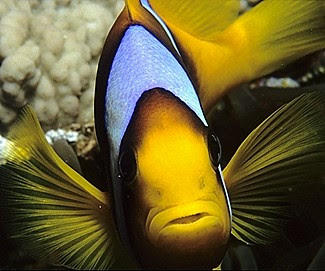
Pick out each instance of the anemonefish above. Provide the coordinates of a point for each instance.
(169, 204)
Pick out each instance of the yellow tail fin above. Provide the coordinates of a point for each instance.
(222, 52)
(277, 32)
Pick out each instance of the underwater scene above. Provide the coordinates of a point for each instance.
(152, 134)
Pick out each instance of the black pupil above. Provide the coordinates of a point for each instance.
(127, 165)
(214, 149)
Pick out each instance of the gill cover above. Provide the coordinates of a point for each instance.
(175, 205)
(147, 56)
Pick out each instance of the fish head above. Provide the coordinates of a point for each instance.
(174, 201)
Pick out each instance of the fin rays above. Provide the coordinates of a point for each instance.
(282, 155)
(200, 18)
(49, 207)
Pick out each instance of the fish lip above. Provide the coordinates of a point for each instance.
(187, 219)
(183, 215)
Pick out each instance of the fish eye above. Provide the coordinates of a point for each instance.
(214, 149)
(127, 165)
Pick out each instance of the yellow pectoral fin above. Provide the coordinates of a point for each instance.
(218, 267)
(284, 154)
(50, 208)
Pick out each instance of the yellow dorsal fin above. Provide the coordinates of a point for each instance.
(134, 9)
(199, 18)
(53, 211)
(264, 39)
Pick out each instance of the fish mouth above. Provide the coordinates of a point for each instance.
(187, 223)
(187, 219)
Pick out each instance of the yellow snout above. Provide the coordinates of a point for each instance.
(179, 214)
(190, 225)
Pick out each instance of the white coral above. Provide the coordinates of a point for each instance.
(48, 56)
